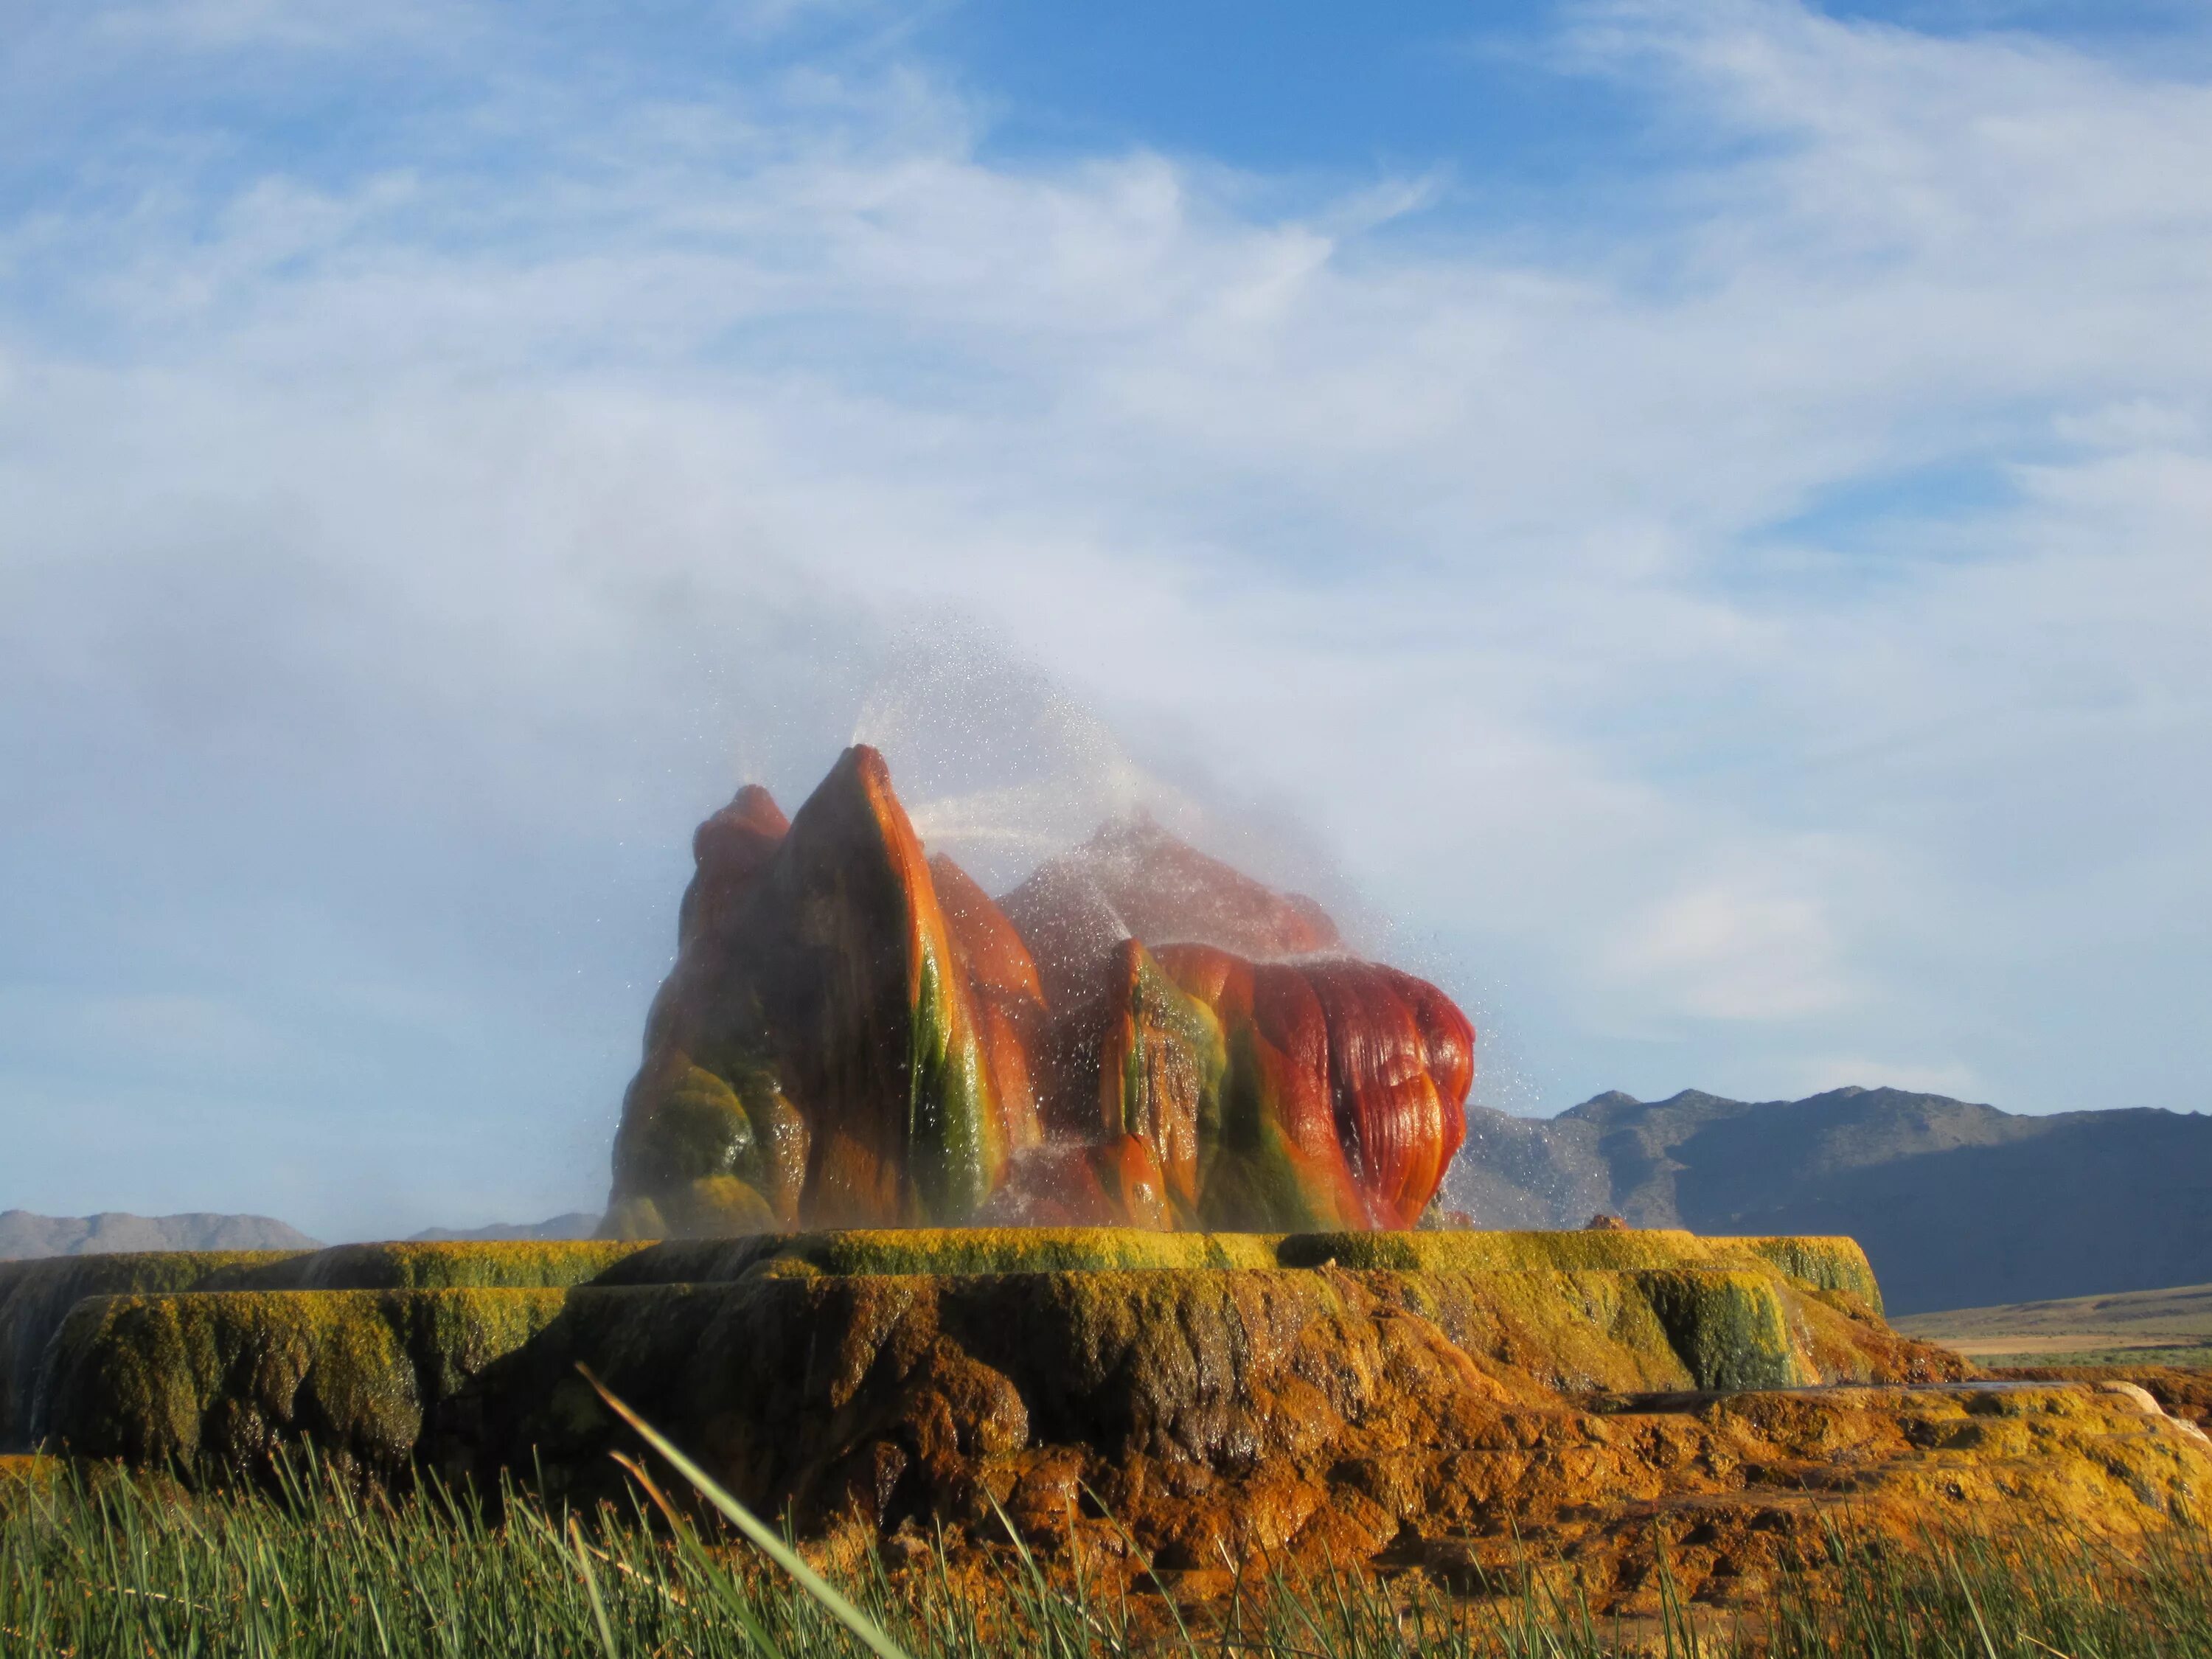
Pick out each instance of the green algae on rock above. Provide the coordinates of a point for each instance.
(1326, 1413)
(782, 1372)
(1424, 1397)
(36, 1297)
(947, 1251)
(454, 1264)
(222, 1379)
(1571, 1311)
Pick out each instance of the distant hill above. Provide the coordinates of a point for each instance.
(577, 1224)
(1957, 1205)
(2168, 1326)
(23, 1235)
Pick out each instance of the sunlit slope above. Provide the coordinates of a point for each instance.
(2169, 1324)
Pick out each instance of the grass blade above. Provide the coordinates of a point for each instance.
(831, 1599)
(591, 1589)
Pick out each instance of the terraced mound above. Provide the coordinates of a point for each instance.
(1444, 1398)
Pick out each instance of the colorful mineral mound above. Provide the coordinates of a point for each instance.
(855, 1035)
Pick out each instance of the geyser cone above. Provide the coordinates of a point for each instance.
(1401, 1059)
(855, 1036)
(1134, 880)
(693, 1154)
(1005, 995)
(731, 849)
(1161, 1063)
(1273, 1159)
(838, 989)
(868, 1013)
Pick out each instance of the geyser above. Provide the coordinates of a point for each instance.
(868, 1064)
(855, 1035)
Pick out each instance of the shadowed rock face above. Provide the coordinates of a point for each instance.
(855, 1035)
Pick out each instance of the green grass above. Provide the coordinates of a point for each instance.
(2171, 1326)
(2195, 1359)
(96, 1565)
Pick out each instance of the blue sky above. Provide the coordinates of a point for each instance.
(1687, 519)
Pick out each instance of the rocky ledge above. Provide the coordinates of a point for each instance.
(1450, 1400)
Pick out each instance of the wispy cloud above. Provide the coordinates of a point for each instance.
(1766, 624)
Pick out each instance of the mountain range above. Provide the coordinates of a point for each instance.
(23, 1234)
(1957, 1205)
(576, 1224)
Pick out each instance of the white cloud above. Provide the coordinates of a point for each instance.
(164, 1032)
(1536, 570)
(1724, 952)
(229, 24)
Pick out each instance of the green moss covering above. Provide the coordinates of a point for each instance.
(719, 1206)
(1469, 1252)
(36, 1297)
(370, 1350)
(1026, 1250)
(943, 1250)
(1730, 1328)
(695, 1260)
(1822, 1264)
(955, 1145)
(702, 1129)
(1251, 1176)
(717, 1154)
(513, 1264)
(1174, 1059)
(779, 1374)
(1825, 1264)
(226, 1377)
(784, 1372)
(1575, 1330)
(1817, 1263)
